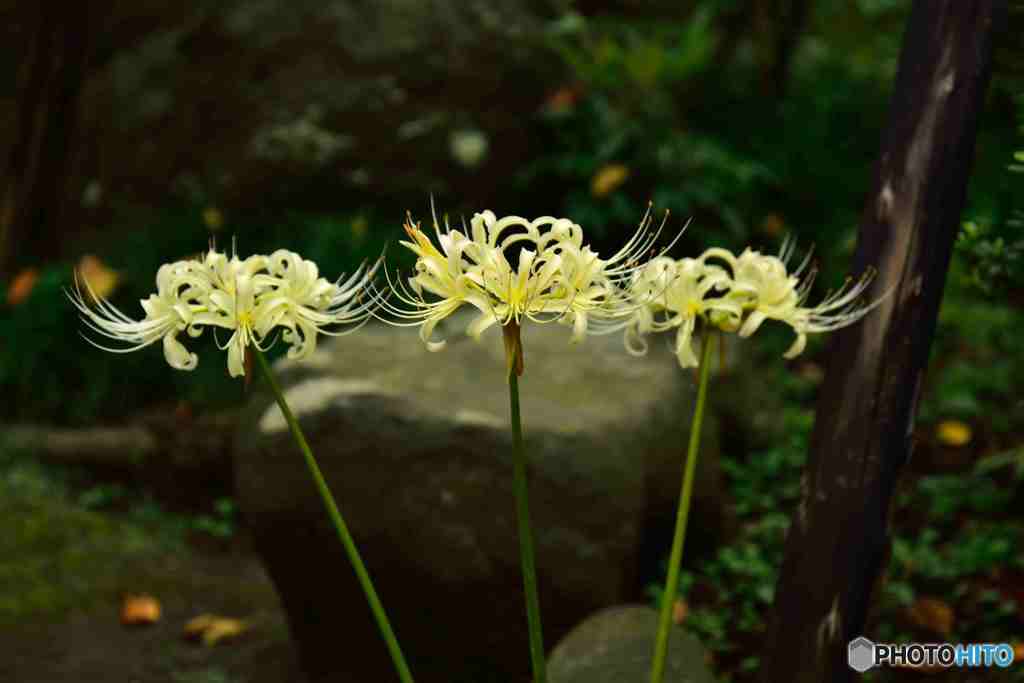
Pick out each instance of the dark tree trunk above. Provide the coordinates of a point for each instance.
(34, 184)
(838, 539)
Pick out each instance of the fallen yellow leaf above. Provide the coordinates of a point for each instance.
(195, 626)
(21, 286)
(140, 609)
(101, 279)
(953, 433)
(223, 629)
(932, 614)
(608, 178)
(1018, 651)
(212, 628)
(213, 218)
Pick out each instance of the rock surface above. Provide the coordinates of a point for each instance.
(416, 449)
(615, 646)
(264, 99)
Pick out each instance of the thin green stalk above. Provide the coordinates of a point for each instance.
(676, 556)
(339, 524)
(525, 535)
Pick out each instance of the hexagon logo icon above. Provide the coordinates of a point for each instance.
(860, 654)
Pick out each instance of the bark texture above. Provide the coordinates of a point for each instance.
(33, 192)
(839, 539)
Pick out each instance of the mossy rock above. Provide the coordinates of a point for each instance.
(615, 645)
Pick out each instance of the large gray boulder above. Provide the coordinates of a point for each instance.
(615, 646)
(257, 99)
(417, 450)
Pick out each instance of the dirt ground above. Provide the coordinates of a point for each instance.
(65, 568)
(93, 647)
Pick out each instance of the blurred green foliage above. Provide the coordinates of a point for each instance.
(993, 247)
(976, 369)
(633, 87)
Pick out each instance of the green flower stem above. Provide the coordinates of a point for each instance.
(676, 556)
(339, 524)
(540, 674)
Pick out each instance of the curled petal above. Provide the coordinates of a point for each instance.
(178, 357)
(753, 322)
(684, 348)
(636, 343)
(481, 323)
(797, 347)
(302, 337)
(236, 354)
(428, 329)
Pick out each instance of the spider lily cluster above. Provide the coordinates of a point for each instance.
(736, 294)
(250, 298)
(556, 277)
(559, 278)
(508, 269)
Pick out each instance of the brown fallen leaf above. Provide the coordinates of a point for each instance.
(183, 411)
(139, 610)
(932, 614)
(773, 225)
(563, 99)
(1018, 651)
(212, 628)
(812, 372)
(21, 286)
(679, 611)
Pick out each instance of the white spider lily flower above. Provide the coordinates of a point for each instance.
(224, 272)
(249, 297)
(445, 274)
(297, 298)
(181, 289)
(762, 281)
(767, 291)
(236, 308)
(555, 277)
(677, 291)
